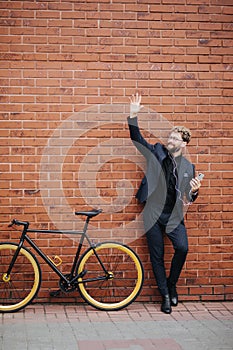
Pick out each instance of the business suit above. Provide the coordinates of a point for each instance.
(153, 192)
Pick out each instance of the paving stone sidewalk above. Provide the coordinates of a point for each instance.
(191, 326)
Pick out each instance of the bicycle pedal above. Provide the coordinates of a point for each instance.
(55, 293)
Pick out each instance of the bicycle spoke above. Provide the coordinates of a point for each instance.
(123, 283)
(20, 287)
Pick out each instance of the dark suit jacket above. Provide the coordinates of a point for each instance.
(155, 154)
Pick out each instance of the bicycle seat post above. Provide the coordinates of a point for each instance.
(86, 225)
(89, 215)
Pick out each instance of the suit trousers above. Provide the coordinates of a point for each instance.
(155, 240)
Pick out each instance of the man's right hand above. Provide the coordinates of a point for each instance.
(135, 105)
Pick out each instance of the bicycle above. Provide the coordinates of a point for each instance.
(108, 275)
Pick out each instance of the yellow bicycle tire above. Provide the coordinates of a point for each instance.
(133, 257)
(31, 260)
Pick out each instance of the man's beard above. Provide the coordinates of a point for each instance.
(173, 149)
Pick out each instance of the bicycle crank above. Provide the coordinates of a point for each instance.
(66, 287)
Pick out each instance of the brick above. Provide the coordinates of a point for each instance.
(60, 58)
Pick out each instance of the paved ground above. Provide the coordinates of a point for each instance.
(191, 326)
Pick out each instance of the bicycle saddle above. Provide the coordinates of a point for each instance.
(90, 214)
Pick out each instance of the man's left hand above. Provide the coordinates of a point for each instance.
(195, 184)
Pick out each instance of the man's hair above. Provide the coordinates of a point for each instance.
(185, 133)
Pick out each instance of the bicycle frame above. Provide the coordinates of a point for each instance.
(83, 233)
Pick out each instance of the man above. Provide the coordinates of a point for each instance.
(169, 178)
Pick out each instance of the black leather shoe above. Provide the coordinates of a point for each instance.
(173, 294)
(166, 304)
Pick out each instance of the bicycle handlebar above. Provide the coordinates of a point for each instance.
(19, 223)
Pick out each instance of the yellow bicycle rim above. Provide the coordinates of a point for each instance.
(27, 299)
(126, 301)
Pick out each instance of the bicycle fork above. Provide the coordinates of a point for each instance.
(6, 276)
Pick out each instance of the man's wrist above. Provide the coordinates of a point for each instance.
(194, 192)
(133, 115)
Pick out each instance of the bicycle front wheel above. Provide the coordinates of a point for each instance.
(19, 288)
(122, 283)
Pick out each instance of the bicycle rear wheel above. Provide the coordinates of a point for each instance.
(19, 288)
(120, 286)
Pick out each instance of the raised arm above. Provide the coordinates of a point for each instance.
(140, 143)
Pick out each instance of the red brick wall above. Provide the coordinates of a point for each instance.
(59, 58)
